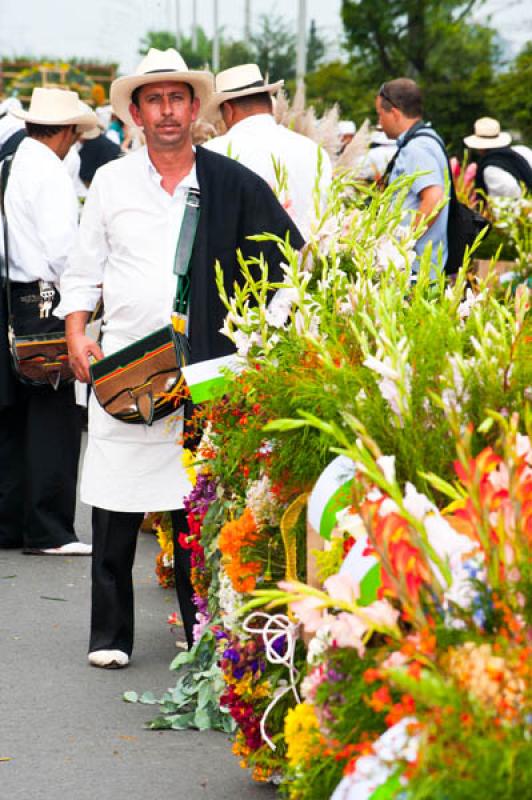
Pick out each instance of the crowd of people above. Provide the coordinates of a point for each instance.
(137, 172)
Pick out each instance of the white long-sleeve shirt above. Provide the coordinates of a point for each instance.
(42, 214)
(127, 240)
(254, 140)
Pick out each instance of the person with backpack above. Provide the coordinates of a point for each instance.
(502, 170)
(399, 105)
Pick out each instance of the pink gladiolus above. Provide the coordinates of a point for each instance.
(342, 588)
(455, 167)
(309, 611)
(470, 173)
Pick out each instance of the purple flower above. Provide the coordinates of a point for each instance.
(239, 673)
(279, 644)
(232, 655)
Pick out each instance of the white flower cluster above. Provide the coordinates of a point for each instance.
(229, 601)
(391, 363)
(396, 745)
(264, 505)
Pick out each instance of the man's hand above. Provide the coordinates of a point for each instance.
(80, 346)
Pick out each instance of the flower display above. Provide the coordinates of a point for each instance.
(402, 662)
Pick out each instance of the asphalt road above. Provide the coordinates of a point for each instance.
(65, 733)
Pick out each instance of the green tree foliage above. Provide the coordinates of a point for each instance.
(274, 48)
(315, 47)
(432, 41)
(510, 98)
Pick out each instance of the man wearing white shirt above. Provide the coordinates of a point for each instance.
(502, 170)
(129, 229)
(244, 100)
(39, 425)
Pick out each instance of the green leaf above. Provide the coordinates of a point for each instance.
(130, 697)
(202, 719)
(148, 698)
(183, 721)
(205, 694)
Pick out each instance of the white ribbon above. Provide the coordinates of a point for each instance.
(276, 627)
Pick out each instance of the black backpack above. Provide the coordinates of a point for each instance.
(463, 224)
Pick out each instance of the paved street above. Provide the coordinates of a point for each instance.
(65, 733)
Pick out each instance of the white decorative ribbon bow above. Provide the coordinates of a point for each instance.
(276, 627)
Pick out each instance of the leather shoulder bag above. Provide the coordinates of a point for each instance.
(143, 382)
(40, 356)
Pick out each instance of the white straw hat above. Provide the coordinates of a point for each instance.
(57, 107)
(487, 135)
(346, 127)
(157, 66)
(240, 81)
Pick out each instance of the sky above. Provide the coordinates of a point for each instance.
(110, 30)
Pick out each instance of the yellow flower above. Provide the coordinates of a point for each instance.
(188, 461)
(302, 734)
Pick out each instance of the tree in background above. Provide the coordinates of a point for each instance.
(510, 98)
(432, 41)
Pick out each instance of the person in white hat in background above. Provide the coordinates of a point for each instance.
(40, 427)
(244, 100)
(502, 170)
(130, 226)
(373, 164)
(346, 132)
(9, 124)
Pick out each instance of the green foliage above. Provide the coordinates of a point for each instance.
(432, 42)
(194, 702)
(509, 98)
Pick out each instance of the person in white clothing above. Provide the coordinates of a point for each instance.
(9, 124)
(129, 229)
(502, 170)
(40, 426)
(244, 100)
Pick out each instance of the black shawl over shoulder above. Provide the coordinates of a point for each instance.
(235, 203)
(507, 159)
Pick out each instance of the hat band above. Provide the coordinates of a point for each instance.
(153, 71)
(247, 86)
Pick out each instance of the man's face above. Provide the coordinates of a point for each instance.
(165, 112)
(388, 120)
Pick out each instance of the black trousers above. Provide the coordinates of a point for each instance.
(114, 542)
(39, 452)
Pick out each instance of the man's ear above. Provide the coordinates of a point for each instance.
(135, 113)
(195, 108)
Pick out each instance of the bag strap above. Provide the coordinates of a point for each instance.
(410, 134)
(183, 252)
(6, 167)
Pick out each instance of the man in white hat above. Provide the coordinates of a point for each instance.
(129, 230)
(244, 100)
(40, 427)
(502, 170)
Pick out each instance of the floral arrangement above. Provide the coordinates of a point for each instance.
(337, 690)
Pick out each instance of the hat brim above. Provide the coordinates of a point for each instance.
(123, 88)
(83, 122)
(485, 143)
(221, 97)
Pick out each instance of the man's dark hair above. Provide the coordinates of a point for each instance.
(404, 94)
(251, 102)
(44, 131)
(135, 94)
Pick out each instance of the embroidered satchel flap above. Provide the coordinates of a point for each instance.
(143, 382)
(42, 359)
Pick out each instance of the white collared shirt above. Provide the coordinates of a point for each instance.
(127, 240)
(42, 214)
(254, 140)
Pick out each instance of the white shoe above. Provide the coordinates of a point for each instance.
(109, 659)
(70, 549)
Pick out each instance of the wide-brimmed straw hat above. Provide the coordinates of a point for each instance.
(487, 135)
(57, 107)
(240, 81)
(157, 66)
